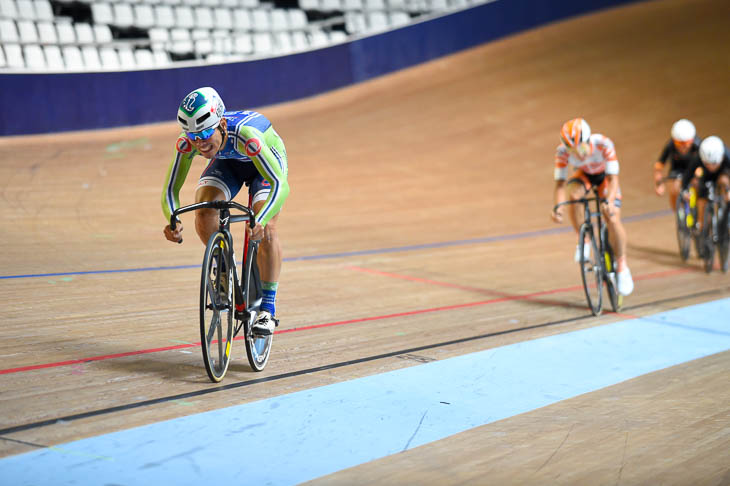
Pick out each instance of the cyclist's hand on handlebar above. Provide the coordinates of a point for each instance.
(557, 215)
(658, 183)
(659, 188)
(256, 233)
(174, 235)
(610, 205)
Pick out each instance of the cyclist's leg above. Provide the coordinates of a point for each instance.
(269, 254)
(674, 186)
(576, 188)
(617, 239)
(702, 195)
(616, 235)
(616, 231)
(206, 220)
(723, 186)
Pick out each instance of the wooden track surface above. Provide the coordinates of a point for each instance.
(449, 157)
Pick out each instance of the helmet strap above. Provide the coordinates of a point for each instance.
(223, 135)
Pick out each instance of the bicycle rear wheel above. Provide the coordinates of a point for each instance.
(609, 272)
(258, 348)
(591, 269)
(684, 234)
(708, 245)
(216, 312)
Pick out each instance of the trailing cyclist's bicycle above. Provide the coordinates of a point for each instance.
(597, 265)
(715, 232)
(228, 304)
(686, 216)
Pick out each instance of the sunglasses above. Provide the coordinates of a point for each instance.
(201, 135)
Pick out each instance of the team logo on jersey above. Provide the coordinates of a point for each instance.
(183, 145)
(253, 147)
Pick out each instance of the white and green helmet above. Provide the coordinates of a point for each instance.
(200, 110)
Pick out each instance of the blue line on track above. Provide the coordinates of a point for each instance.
(375, 251)
(301, 436)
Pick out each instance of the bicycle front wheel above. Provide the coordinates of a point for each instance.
(609, 272)
(591, 269)
(216, 309)
(258, 348)
(707, 238)
(684, 234)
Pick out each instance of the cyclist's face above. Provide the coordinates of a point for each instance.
(582, 150)
(712, 167)
(209, 147)
(682, 146)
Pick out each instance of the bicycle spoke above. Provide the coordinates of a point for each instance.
(215, 325)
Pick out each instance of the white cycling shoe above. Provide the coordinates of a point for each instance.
(264, 325)
(624, 282)
(586, 253)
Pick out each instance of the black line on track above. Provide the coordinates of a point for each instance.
(318, 369)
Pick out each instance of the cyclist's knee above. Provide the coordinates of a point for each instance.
(209, 193)
(613, 220)
(205, 222)
(575, 191)
(271, 235)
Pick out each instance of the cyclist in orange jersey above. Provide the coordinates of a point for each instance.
(594, 163)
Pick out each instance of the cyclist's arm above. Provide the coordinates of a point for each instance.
(662, 160)
(271, 164)
(176, 174)
(560, 174)
(559, 195)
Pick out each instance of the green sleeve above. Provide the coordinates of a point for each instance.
(176, 174)
(268, 154)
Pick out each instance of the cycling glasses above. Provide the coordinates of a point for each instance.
(201, 135)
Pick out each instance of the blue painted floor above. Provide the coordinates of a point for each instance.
(305, 435)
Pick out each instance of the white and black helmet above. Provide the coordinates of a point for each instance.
(712, 150)
(200, 110)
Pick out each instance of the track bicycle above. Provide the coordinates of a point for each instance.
(715, 231)
(228, 305)
(600, 266)
(685, 217)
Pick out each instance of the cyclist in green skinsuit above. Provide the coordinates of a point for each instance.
(243, 148)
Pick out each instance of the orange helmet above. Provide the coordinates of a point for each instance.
(575, 132)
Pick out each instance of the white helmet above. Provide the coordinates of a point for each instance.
(683, 130)
(712, 150)
(200, 110)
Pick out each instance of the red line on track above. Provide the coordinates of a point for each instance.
(504, 298)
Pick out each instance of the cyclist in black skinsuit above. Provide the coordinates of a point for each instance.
(710, 167)
(680, 150)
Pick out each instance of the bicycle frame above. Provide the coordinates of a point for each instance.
(594, 225)
(225, 218)
(243, 303)
(715, 231)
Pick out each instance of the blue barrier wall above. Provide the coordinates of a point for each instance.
(43, 103)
